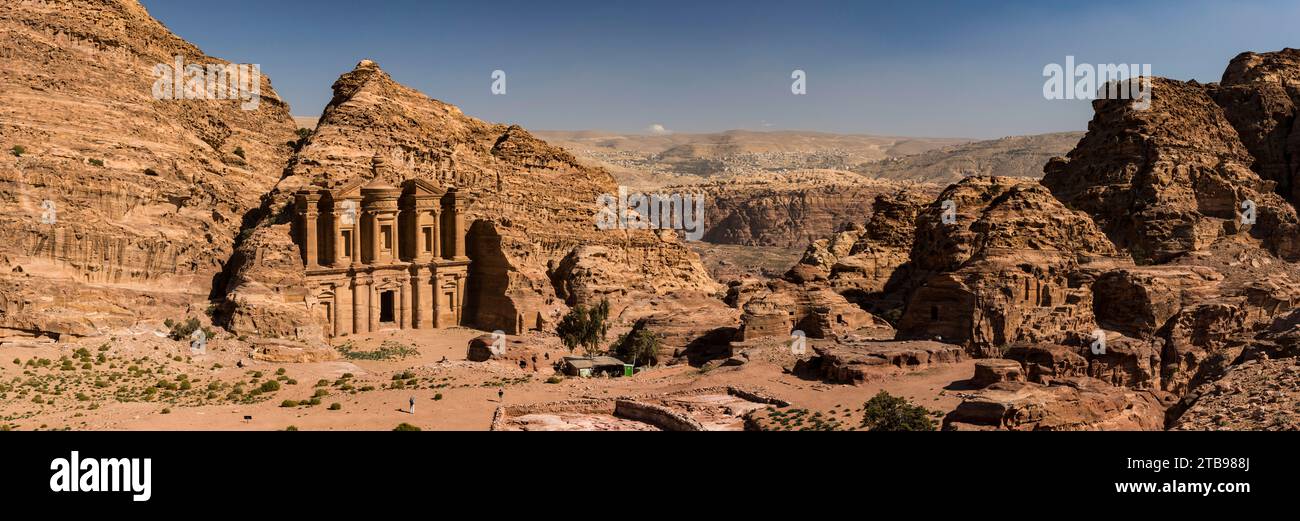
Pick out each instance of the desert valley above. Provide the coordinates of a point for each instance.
(395, 263)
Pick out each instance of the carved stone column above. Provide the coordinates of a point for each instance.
(404, 315)
(437, 233)
(437, 301)
(307, 202)
(419, 299)
(335, 329)
(360, 303)
(374, 308)
(355, 226)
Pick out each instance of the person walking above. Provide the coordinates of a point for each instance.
(412, 405)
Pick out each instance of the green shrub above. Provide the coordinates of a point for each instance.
(336, 406)
(269, 386)
(583, 327)
(406, 427)
(437, 397)
(289, 403)
(18, 151)
(885, 412)
(97, 162)
(183, 330)
(639, 348)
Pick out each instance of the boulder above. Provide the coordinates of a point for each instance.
(1068, 404)
(994, 370)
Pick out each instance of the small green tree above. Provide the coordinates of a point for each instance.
(18, 151)
(640, 347)
(885, 412)
(585, 328)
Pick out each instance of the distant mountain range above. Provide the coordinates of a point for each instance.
(1015, 156)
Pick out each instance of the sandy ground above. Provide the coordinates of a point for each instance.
(466, 392)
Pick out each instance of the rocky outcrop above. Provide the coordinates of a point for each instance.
(1001, 267)
(1138, 301)
(995, 370)
(1255, 395)
(859, 362)
(1171, 179)
(1200, 342)
(690, 328)
(783, 307)
(532, 235)
(868, 263)
(1260, 96)
(1068, 404)
(121, 207)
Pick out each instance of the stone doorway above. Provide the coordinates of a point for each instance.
(386, 311)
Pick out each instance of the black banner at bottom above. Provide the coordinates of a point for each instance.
(149, 471)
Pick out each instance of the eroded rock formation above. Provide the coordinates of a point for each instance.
(1002, 266)
(1068, 404)
(119, 206)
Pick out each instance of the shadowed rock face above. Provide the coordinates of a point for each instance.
(1001, 270)
(147, 195)
(1170, 180)
(532, 212)
(1260, 94)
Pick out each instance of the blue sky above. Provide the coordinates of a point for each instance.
(915, 68)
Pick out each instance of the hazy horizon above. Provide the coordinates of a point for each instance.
(915, 69)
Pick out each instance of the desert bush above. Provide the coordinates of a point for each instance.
(336, 406)
(18, 151)
(97, 162)
(289, 403)
(183, 330)
(269, 386)
(406, 427)
(885, 412)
